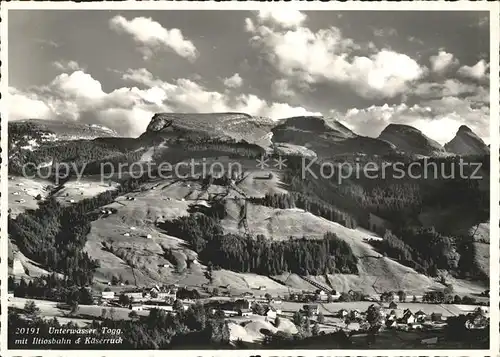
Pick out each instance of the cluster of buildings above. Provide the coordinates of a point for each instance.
(410, 320)
(246, 308)
(156, 293)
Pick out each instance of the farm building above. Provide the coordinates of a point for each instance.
(136, 307)
(108, 295)
(272, 313)
(420, 315)
(408, 317)
(244, 312)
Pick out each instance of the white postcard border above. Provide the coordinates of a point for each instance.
(492, 7)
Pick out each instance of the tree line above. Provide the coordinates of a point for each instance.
(54, 235)
(259, 254)
(197, 327)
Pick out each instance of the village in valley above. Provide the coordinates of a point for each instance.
(315, 313)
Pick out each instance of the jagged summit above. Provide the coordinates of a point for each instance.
(410, 140)
(466, 142)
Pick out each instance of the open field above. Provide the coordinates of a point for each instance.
(143, 261)
(23, 192)
(84, 315)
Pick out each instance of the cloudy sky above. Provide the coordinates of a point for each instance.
(366, 69)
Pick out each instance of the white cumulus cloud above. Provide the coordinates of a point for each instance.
(151, 36)
(439, 119)
(286, 18)
(327, 56)
(127, 110)
(478, 71)
(442, 61)
(234, 81)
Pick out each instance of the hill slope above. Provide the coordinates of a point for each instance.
(466, 142)
(221, 126)
(410, 140)
(129, 242)
(326, 139)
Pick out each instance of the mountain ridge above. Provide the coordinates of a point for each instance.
(317, 135)
(466, 142)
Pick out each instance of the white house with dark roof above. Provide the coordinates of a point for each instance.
(408, 317)
(420, 316)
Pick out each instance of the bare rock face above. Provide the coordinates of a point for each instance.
(159, 122)
(328, 139)
(411, 140)
(466, 142)
(235, 127)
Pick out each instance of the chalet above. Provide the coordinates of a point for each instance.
(321, 295)
(408, 317)
(271, 313)
(378, 224)
(355, 314)
(420, 316)
(392, 316)
(136, 307)
(390, 323)
(244, 312)
(108, 295)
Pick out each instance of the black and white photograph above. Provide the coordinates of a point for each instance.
(274, 179)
